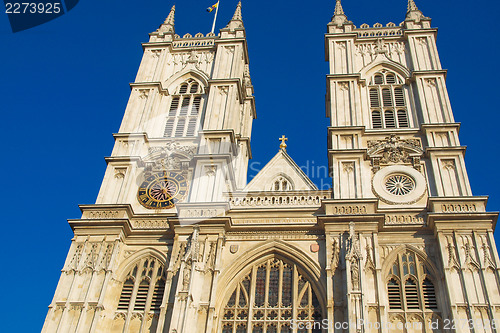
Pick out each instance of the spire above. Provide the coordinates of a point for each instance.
(412, 6)
(170, 18)
(338, 8)
(236, 21)
(168, 25)
(237, 13)
(413, 13)
(339, 18)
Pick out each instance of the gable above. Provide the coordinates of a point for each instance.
(281, 168)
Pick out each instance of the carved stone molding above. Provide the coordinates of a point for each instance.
(276, 221)
(405, 219)
(150, 224)
(394, 150)
(102, 214)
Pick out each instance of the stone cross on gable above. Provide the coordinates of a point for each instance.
(283, 139)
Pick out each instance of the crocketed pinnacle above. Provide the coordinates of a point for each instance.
(339, 18)
(413, 13)
(338, 8)
(412, 6)
(170, 18)
(237, 13)
(236, 21)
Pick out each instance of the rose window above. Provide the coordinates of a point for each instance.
(399, 184)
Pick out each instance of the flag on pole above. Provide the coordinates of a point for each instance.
(211, 9)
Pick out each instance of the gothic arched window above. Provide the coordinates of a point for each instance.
(388, 88)
(410, 288)
(185, 109)
(269, 297)
(281, 184)
(141, 295)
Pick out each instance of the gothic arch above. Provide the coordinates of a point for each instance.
(379, 64)
(436, 274)
(184, 75)
(129, 263)
(260, 253)
(285, 177)
(250, 297)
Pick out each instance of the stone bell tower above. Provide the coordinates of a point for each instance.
(183, 141)
(420, 247)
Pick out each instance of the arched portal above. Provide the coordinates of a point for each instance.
(271, 295)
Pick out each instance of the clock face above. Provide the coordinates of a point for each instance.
(162, 190)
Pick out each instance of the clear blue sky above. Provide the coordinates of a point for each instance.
(64, 89)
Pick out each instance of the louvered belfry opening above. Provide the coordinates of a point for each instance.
(410, 289)
(388, 104)
(137, 296)
(394, 291)
(183, 118)
(269, 297)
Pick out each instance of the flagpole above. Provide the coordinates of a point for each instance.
(215, 17)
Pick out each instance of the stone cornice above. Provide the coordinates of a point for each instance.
(438, 150)
(426, 127)
(414, 74)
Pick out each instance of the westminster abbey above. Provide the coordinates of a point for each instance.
(179, 242)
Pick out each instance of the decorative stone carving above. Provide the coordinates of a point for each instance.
(172, 147)
(150, 224)
(369, 261)
(334, 263)
(234, 248)
(470, 257)
(348, 167)
(431, 83)
(177, 262)
(344, 86)
(120, 173)
(103, 214)
(488, 261)
(186, 277)
(210, 170)
(393, 150)
(355, 274)
(452, 257)
(223, 90)
(143, 93)
(75, 260)
(210, 262)
(404, 219)
(380, 47)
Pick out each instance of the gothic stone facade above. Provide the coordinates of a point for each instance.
(177, 241)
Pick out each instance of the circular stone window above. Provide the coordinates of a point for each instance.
(399, 184)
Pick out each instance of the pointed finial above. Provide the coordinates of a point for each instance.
(237, 12)
(413, 13)
(170, 18)
(168, 25)
(283, 139)
(412, 6)
(237, 20)
(339, 18)
(338, 8)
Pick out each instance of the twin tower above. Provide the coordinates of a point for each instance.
(178, 241)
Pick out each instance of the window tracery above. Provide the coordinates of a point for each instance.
(388, 104)
(410, 288)
(281, 184)
(264, 300)
(142, 292)
(185, 109)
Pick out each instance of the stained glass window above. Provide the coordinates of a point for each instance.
(271, 306)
